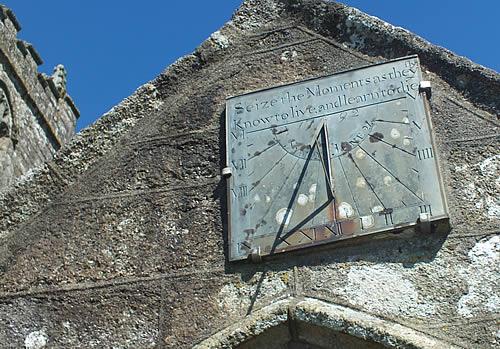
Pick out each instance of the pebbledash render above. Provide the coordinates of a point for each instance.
(121, 241)
(37, 116)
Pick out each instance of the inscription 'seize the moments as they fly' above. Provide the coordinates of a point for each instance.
(257, 114)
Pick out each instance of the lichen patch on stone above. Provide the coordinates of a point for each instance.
(236, 298)
(484, 189)
(384, 289)
(36, 340)
(220, 39)
(481, 275)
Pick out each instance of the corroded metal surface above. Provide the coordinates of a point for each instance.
(331, 158)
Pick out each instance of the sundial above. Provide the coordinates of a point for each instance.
(330, 159)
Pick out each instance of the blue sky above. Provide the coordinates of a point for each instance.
(112, 47)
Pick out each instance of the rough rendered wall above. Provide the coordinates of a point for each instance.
(36, 115)
(119, 242)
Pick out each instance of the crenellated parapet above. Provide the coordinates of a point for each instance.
(38, 114)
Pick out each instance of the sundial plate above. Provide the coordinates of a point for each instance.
(329, 159)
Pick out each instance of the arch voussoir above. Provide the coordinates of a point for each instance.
(317, 323)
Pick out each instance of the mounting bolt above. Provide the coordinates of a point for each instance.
(255, 256)
(227, 172)
(425, 86)
(425, 222)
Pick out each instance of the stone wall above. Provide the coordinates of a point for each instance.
(36, 115)
(120, 241)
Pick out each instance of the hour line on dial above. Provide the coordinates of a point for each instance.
(409, 94)
(255, 184)
(257, 153)
(378, 138)
(395, 177)
(364, 177)
(348, 184)
(281, 131)
(291, 201)
(311, 122)
(392, 122)
(282, 185)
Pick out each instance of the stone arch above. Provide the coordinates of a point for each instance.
(313, 324)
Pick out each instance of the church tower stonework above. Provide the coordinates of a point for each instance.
(37, 116)
(128, 237)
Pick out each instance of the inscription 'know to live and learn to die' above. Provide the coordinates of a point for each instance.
(258, 113)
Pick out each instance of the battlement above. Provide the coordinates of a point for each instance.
(7, 15)
(39, 116)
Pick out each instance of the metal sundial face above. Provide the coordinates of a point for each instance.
(329, 159)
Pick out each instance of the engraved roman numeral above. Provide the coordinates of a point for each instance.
(388, 218)
(240, 192)
(426, 209)
(337, 150)
(338, 231)
(335, 229)
(244, 246)
(238, 133)
(239, 164)
(425, 153)
(357, 139)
